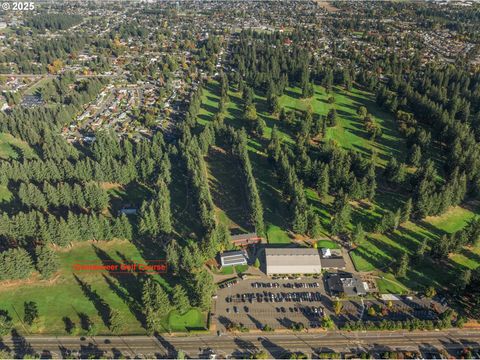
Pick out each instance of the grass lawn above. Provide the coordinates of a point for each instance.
(132, 194)
(193, 319)
(275, 235)
(228, 190)
(241, 268)
(11, 147)
(380, 252)
(349, 133)
(37, 85)
(67, 294)
(275, 210)
(5, 194)
(388, 285)
(328, 244)
(226, 270)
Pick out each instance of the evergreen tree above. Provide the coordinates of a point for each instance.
(415, 156)
(5, 323)
(204, 288)
(30, 312)
(407, 211)
(314, 229)
(116, 322)
(371, 182)
(402, 265)
(180, 299)
(464, 279)
(342, 217)
(164, 214)
(332, 117)
(323, 182)
(358, 234)
(155, 303)
(422, 249)
(47, 261)
(15, 264)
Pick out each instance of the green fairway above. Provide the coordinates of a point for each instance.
(11, 147)
(327, 244)
(275, 235)
(193, 319)
(227, 187)
(388, 285)
(184, 213)
(67, 294)
(350, 132)
(380, 252)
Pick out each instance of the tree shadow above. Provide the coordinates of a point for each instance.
(274, 349)
(103, 309)
(171, 351)
(117, 354)
(245, 346)
(4, 347)
(21, 347)
(89, 350)
(257, 323)
(69, 324)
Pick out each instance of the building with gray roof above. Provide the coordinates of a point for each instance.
(292, 261)
(233, 258)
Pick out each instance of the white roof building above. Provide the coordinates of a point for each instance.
(293, 261)
(233, 258)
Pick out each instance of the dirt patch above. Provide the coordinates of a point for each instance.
(327, 6)
(101, 244)
(219, 149)
(32, 280)
(108, 186)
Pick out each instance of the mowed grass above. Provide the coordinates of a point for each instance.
(349, 134)
(227, 187)
(131, 195)
(227, 270)
(275, 211)
(276, 235)
(13, 148)
(327, 244)
(36, 85)
(193, 319)
(388, 285)
(65, 295)
(241, 268)
(380, 252)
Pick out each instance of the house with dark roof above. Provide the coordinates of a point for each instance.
(346, 284)
(332, 259)
(246, 239)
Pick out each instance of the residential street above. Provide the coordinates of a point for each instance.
(227, 345)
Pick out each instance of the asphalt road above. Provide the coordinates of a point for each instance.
(227, 345)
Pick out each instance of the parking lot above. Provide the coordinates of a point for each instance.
(277, 303)
(281, 303)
